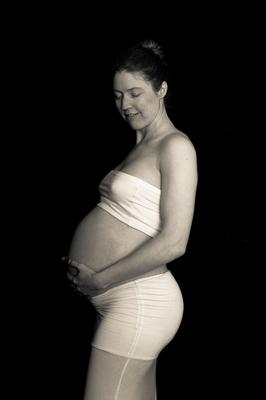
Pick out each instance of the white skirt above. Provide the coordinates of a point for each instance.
(139, 318)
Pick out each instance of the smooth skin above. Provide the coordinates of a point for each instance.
(164, 157)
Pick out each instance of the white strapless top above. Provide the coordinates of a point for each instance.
(131, 200)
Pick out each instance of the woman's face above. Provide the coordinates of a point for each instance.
(136, 99)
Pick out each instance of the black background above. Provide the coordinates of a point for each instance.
(72, 136)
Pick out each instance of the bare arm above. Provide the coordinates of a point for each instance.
(179, 181)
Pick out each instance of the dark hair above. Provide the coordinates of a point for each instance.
(147, 58)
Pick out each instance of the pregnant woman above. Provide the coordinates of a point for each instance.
(119, 253)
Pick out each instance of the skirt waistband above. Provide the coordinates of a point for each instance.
(130, 283)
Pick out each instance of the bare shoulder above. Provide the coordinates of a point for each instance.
(176, 145)
(178, 163)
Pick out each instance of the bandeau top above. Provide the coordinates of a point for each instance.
(131, 200)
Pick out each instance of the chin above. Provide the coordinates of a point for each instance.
(136, 125)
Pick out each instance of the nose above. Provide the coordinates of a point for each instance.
(125, 103)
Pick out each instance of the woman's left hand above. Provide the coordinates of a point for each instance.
(83, 279)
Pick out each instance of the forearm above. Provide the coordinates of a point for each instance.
(151, 254)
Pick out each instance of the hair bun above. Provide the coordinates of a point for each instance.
(153, 46)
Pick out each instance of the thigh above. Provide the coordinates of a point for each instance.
(113, 377)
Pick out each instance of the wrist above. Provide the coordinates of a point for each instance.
(99, 281)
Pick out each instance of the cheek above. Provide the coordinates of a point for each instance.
(149, 102)
(151, 105)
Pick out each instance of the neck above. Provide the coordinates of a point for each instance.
(159, 127)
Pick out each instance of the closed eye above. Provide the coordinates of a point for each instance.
(134, 92)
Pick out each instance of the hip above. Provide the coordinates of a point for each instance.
(139, 318)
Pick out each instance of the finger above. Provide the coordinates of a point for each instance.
(84, 268)
(70, 276)
(73, 270)
(72, 279)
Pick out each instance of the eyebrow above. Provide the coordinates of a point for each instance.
(128, 90)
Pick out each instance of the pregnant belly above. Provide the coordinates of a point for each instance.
(101, 239)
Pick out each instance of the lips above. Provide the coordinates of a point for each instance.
(130, 115)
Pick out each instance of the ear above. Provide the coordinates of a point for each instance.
(163, 90)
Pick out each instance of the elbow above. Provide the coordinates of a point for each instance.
(177, 249)
(174, 246)
(182, 251)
